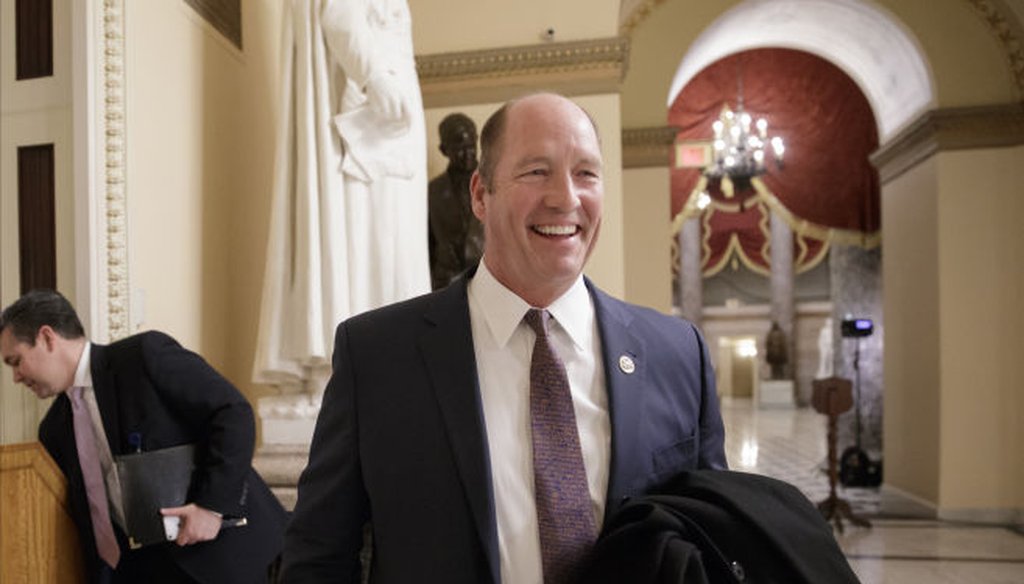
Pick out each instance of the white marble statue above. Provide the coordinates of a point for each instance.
(349, 212)
(825, 360)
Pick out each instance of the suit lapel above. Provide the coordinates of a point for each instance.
(447, 348)
(103, 385)
(620, 347)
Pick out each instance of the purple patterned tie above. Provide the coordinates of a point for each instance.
(95, 488)
(564, 515)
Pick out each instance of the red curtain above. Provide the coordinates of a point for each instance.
(829, 131)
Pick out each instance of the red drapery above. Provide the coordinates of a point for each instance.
(827, 183)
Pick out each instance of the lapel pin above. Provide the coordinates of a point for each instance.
(626, 364)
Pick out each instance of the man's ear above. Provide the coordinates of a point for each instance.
(477, 190)
(47, 336)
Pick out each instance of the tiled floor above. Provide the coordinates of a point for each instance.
(789, 444)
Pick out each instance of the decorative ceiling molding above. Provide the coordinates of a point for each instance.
(1008, 33)
(634, 12)
(960, 128)
(571, 68)
(648, 147)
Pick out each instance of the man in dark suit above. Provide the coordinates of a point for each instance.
(428, 429)
(145, 393)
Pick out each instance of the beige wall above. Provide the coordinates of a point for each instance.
(953, 408)
(981, 251)
(647, 237)
(200, 133)
(441, 26)
(910, 303)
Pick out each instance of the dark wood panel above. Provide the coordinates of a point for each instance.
(37, 227)
(33, 31)
(224, 15)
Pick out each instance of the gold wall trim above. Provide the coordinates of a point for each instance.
(639, 13)
(648, 147)
(1007, 32)
(958, 128)
(571, 68)
(115, 168)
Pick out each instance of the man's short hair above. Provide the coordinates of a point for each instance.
(494, 130)
(37, 308)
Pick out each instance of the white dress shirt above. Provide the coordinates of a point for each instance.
(503, 345)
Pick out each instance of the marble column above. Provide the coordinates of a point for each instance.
(691, 280)
(856, 292)
(782, 286)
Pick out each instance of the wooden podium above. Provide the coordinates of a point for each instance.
(38, 540)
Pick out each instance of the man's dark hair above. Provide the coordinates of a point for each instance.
(37, 308)
(492, 132)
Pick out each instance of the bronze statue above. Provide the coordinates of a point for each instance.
(776, 352)
(456, 236)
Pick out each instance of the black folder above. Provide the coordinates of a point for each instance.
(150, 481)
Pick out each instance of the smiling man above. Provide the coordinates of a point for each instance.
(486, 430)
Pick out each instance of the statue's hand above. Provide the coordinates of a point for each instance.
(386, 98)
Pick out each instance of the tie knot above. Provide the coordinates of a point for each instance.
(538, 321)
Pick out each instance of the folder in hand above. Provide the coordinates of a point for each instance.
(150, 481)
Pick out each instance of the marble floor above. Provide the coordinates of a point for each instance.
(904, 545)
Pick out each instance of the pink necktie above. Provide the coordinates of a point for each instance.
(564, 515)
(95, 488)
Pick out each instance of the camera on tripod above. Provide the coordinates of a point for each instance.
(856, 327)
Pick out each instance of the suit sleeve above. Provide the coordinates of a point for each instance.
(712, 431)
(325, 535)
(188, 385)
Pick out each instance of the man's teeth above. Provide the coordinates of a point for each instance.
(555, 229)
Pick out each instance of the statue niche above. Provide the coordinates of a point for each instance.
(456, 236)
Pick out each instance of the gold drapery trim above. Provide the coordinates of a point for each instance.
(799, 226)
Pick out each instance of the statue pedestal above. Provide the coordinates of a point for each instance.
(776, 393)
(287, 422)
(289, 419)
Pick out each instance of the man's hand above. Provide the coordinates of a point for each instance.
(197, 524)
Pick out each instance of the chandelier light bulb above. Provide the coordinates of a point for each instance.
(703, 200)
(762, 127)
(778, 147)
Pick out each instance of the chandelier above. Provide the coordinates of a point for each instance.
(738, 149)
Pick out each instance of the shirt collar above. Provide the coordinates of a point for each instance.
(83, 374)
(503, 310)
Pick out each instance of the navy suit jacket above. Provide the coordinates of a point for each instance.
(400, 441)
(148, 385)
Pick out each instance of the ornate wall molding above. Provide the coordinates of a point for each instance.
(960, 128)
(1009, 35)
(112, 80)
(633, 15)
(572, 68)
(648, 147)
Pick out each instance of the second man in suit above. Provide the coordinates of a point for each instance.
(486, 430)
(142, 393)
